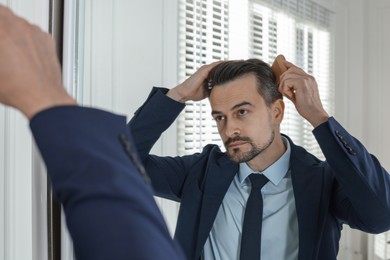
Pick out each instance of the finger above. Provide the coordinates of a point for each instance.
(204, 70)
(291, 66)
(287, 91)
(206, 73)
(295, 79)
(288, 64)
(212, 65)
(294, 73)
(287, 87)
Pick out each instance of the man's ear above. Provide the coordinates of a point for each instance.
(278, 110)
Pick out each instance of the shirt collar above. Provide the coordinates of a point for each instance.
(275, 172)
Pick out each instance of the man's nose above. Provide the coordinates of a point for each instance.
(232, 129)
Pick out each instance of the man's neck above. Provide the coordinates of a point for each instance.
(269, 156)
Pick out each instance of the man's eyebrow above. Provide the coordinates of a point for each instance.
(243, 103)
(216, 112)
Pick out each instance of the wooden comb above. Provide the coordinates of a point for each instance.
(278, 67)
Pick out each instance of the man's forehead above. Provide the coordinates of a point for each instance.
(226, 100)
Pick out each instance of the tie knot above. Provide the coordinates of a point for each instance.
(258, 180)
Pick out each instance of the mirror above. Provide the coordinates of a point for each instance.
(123, 48)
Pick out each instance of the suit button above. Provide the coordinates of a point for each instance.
(341, 137)
(351, 150)
(345, 143)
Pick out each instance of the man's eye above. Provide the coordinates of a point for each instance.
(242, 112)
(219, 118)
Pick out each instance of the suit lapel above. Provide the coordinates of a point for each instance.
(307, 179)
(219, 176)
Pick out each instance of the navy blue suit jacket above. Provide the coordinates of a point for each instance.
(349, 187)
(110, 210)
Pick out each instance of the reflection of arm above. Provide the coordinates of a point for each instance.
(110, 211)
(149, 122)
(152, 119)
(366, 184)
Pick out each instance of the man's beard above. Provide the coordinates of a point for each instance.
(236, 155)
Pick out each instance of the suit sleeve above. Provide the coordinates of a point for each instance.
(154, 117)
(109, 208)
(167, 174)
(362, 198)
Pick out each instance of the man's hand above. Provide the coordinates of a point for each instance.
(192, 88)
(301, 88)
(30, 74)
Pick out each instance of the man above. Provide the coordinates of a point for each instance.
(93, 167)
(306, 201)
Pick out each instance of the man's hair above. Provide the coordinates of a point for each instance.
(234, 69)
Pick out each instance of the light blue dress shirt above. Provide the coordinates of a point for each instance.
(280, 225)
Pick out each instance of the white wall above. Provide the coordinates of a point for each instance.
(378, 93)
(362, 63)
(377, 90)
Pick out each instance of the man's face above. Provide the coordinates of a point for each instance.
(245, 123)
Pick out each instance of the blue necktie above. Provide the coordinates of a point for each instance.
(251, 229)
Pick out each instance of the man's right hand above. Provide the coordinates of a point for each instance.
(30, 74)
(192, 88)
(302, 89)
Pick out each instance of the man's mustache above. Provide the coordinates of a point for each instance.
(237, 138)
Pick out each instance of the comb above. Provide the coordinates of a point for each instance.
(278, 67)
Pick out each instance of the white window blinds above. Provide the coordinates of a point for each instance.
(237, 29)
(204, 35)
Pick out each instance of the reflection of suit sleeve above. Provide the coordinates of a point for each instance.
(365, 185)
(155, 116)
(110, 211)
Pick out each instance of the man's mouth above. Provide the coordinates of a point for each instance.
(236, 144)
(236, 141)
